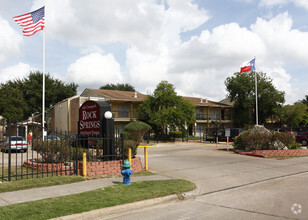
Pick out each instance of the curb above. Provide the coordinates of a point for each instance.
(94, 214)
(248, 154)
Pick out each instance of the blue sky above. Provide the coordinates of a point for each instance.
(195, 45)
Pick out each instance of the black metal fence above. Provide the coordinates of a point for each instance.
(58, 153)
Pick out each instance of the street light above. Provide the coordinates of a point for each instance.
(108, 115)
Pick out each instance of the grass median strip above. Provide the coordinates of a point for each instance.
(96, 199)
(38, 182)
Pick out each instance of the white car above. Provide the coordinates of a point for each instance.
(17, 143)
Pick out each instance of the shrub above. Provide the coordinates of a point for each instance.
(294, 146)
(284, 138)
(53, 151)
(137, 130)
(263, 141)
(238, 143)
(133, 136)
(257, 141)
(175, 134)
(130, 144)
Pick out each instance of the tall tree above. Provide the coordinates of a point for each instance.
(119, 86)
(294, 115)
(241, 89)
(304, 101)
(12, 104)
(30, 89)
(166, 109)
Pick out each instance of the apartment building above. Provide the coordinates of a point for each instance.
(124, 105)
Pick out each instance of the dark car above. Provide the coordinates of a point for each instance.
(302, 138)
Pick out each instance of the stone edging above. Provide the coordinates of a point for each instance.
(273, 153)
(94, 169)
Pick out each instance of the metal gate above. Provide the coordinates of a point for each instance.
(25, 157)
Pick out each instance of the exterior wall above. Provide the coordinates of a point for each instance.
(61, 120)
(66, 114)
(109, 168)
(94, 169)
(74, 114)
(207, 116)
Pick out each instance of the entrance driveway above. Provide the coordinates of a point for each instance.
(229, 186)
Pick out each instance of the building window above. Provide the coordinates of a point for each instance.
(199, 128)
(123, 111)
(214, 114)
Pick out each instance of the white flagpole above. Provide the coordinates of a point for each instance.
(43, 94)
(256, 87)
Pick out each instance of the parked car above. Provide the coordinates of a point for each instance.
(302, 138)
(17, 143)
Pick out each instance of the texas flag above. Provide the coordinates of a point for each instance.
(250, 66)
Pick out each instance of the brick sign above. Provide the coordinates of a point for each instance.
(89, 119)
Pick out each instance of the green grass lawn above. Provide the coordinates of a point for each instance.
(96, 199)
(38, 182)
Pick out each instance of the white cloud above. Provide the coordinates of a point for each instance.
(201, 65)
(19, 71)
(10, 40)
(272, 3)
(281, 40)
(140, 23)
(94, 69)
(151, 33)
(301, 3)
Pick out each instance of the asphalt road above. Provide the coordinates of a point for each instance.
(229, 186)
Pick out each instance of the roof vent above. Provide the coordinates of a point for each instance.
(206, 101)
(135, 95)
(201, 100)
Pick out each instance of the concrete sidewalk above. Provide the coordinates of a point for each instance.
(21, 196)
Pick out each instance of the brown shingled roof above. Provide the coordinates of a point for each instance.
(118, 95)
(205, 102)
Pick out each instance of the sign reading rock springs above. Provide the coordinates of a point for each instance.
(89, 119)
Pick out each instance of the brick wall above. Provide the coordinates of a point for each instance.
(109, 168)
(271, 153)
(58, 168)
(94, 169)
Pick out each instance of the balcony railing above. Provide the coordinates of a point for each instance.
(123, 114)
(213, 117)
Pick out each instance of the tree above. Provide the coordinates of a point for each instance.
(12, 104)
(29, 92)
(304, 101)
(241, 89)
(165, 109)
(294, 115)
(118, 86)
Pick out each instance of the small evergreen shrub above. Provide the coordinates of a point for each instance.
(133, 135)
(137, 130)
(175, 134)
(294, 146)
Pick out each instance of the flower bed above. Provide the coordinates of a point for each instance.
(59, 168)
(94, 169)
(273, 153)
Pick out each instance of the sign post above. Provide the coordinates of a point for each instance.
(93, 124)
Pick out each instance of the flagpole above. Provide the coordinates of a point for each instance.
(43, 93)
(256, 87)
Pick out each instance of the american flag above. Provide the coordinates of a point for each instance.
(31, 22)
